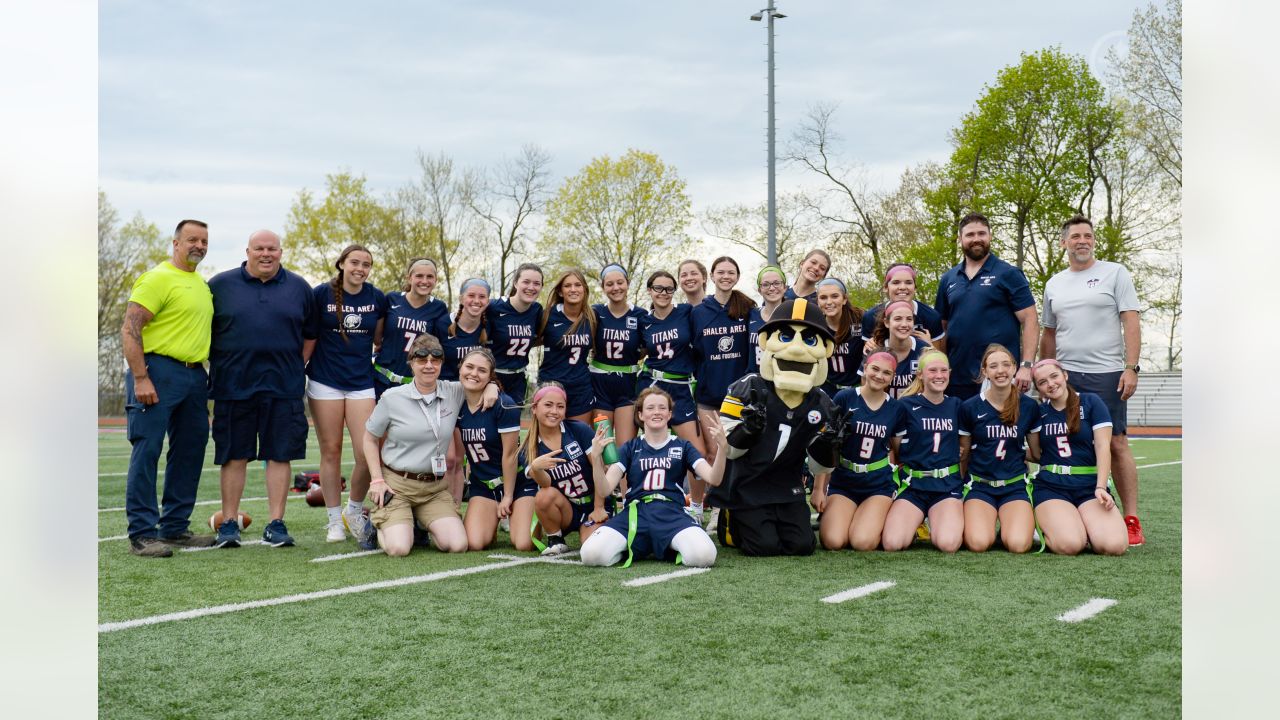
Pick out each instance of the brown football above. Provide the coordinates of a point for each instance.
(315, 498)
(216, 519)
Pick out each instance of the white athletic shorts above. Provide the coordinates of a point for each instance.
(320, 391)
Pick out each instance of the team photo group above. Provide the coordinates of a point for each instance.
(718, 413)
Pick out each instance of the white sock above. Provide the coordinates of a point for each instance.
(335, 514)
(695, 507)
(353, 507)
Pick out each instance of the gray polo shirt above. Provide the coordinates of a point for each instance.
(1084, 307)
(406, 417)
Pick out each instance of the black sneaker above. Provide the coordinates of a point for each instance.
(189, 539)
(149, 547)
(276, 535)
(421, 538)
(228, 535)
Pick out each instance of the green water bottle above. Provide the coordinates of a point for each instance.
(610, 455)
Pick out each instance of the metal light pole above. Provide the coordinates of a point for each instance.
(772, 15)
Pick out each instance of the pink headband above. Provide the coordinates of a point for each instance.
(1047, 361)
(899, 268)
(883, 356)
(895, 305)
(544, 391)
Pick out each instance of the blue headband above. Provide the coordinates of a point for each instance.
(475, 281)
(833, 281)
(614, 266)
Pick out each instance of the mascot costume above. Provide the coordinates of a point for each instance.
(773, 422)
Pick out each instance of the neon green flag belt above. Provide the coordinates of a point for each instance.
(882, 462)
(1070, 469)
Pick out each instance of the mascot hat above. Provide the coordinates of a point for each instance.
(799, 312)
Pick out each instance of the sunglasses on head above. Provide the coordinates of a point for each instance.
(424, 352)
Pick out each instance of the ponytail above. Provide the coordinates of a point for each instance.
(1072, 411)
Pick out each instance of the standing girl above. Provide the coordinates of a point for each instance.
(894, 336)
(348, 322)
(555, 456)
(459, 336)
(845, 321)
(491, 439)
(567, 328)
(928, 447)
(854, 499)
(772, 284)
(667, 332)
(615, 359)
(655, 465)
(409, 314)
(512, 329)
(693, 281)
(813, 268)
(1072, 503)
(900, 286)
(721, 347)
(995, 426)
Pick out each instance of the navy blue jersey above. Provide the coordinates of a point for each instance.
(721, 348)
(572, 477)
(1059, 448)
(482, 436)
(511, 333)
(997, 451)
(980, 312)
(667, 341)
(845, 361)
(565, 357)
(258, 332)
(345, 364)
(906, 369)
(790, 294)
(929, 437)
(455, 346)
(404, 324)
(657, 470)
(868, 438)
(617, 338)
(926, 319)
(755, 321)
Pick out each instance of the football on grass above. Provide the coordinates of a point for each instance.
(216, 519)
(315, 498)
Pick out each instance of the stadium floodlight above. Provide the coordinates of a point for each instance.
(772, 14)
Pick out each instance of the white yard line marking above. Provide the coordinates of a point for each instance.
(1172, 462)
(1087, 610)
(290, 496)
(650, 580)
(1139, 457)
(859, 592)
(565, 559)
(215, 547)
(344, 556)
(114, 537)
(160, 469)
(302, 597)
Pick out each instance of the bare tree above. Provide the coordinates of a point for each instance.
(846, 204)
(509, 196)
(1151, 73)
(446, 198)
(746, 226)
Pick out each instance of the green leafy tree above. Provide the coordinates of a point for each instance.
(317, 230)
(630, 211)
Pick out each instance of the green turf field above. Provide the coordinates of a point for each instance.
(962, 636)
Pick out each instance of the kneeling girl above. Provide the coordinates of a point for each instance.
(655, 464)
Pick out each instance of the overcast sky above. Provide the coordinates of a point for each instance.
(224, 110)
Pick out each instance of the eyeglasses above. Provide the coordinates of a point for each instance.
(772, 284)
(663, 289)
(420, 353)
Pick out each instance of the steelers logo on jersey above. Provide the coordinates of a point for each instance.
(814, 417)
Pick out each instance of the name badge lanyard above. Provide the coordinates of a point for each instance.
(434, 426)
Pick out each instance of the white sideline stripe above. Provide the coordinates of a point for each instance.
(1172, 462)
(216, 547)
(160, 469)
(302, 597)
(859, 592)
(1087, 610)
(565, 559)
(650, 580)
(114, 537)
(344, 556)
(290, 496)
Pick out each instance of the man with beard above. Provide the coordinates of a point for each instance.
(1091, 327)
(166, 341)
(984, 300)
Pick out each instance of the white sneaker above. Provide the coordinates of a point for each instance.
(334, 531)
(505, 525)
(359, 525)
(556, 549)
(714, 522)
(695, 512)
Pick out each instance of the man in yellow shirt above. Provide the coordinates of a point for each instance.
(166, 333)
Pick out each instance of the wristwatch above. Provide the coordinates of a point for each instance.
(1025, 364)
(1136, 368)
